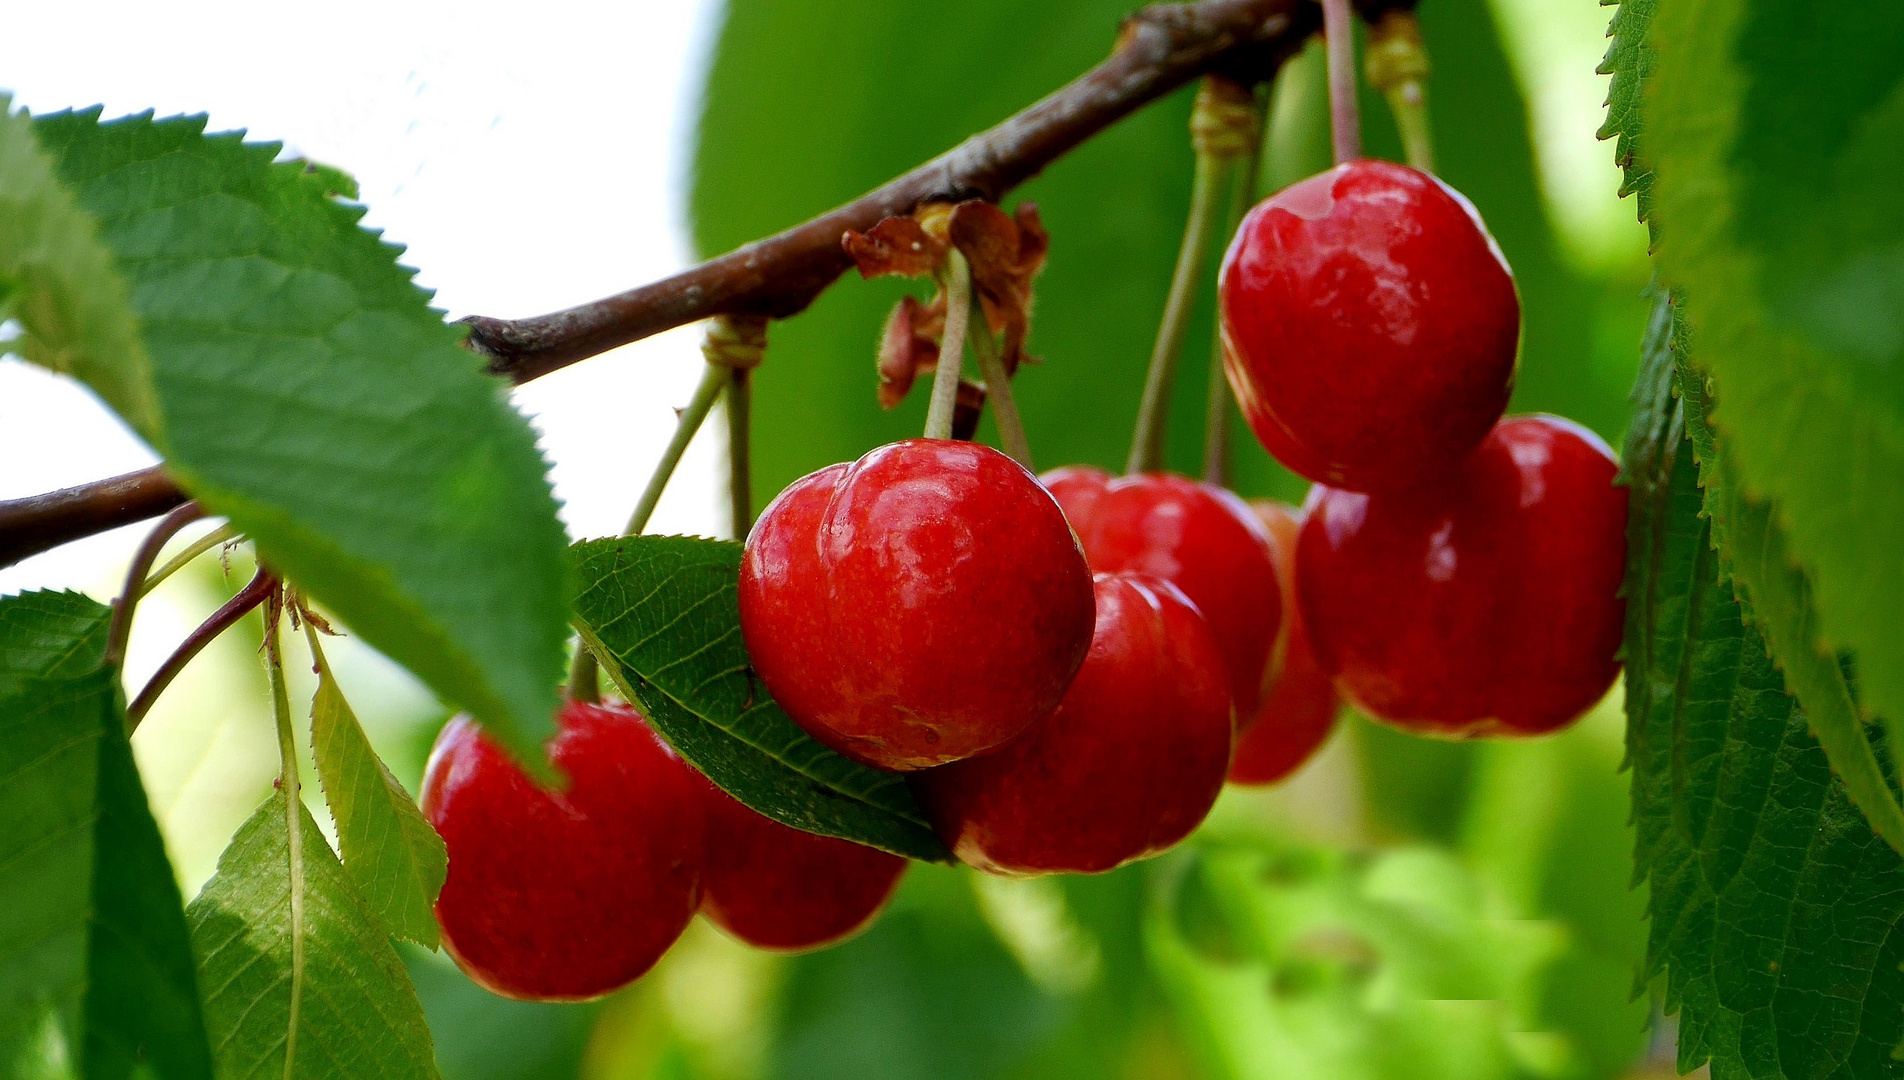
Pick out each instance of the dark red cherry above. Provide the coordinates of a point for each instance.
(1486, 605)
(1198, 537)
(920, 605)
(1126, 766)
(778, 888)
(1299, 702)
(1370, 325)
(561, 897)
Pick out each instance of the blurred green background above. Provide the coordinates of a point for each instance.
(1400, 909)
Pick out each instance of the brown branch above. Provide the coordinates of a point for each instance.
(41, 522)
(263, 585)
(1159, 49)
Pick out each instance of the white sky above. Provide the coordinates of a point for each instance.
(531, 156)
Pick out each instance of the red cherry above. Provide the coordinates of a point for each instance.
(561, 897)
(1300, 705)
(778, 888)
(1126, 766)
(1486, 605)
(921, 605)
(1200, 538)
(1370, 325)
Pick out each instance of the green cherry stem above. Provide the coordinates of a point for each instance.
(1397, 65)
(1216, 410)
(1345, 121)
(713, 381)
(991, 366)
(1222, 129)
(957, 279)
(262, 585)
(221, 535)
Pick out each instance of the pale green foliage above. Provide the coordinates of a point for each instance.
(58, 280)
(1776, 128)
(661, 613)
(308, 392)
(299, 979)
(396, 860)
(95, 966)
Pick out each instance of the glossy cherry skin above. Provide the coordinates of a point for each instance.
(1200, 538)
(1299, 702)
(562, 897)
(923, 604)
(782, 889)
(1126, 766)
(1371, 327)
(1486, 605)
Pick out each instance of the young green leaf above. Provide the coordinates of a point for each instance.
(396, 860)
(58, 280)
(308, 392)
(300, 980)
(1772, 900)
(1776, 130)
(91, 924)
(661, 614)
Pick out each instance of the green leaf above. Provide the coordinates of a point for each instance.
(393, 856)
(300, 980)
(309, 393)
(58, 280)
(1776, 128)
(661, 613)
(1629, 60)
(91, 925)
(1773, 904)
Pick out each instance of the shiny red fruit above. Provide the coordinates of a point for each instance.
(1125, 768)
(561, 897)
(1200, 538)
(1370, 325)
(779, 888)
(1486, 605)
(1299, 702)
(923, 604)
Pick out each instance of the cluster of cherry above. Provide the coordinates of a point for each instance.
(1068, 668)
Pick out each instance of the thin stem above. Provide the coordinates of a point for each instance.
(261, 587)
(713, 381)
(142, 561)
(1216, 410)
(991, 366)
(1207, 188)
(584, 673)
(945, 380)
(1397, 65)
(220, 535)
(740, 478)
(281, 705)
(1345, 122)
(293, 823)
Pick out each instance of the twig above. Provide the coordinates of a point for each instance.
(261, 587)
(1160, 49)
(42, 522)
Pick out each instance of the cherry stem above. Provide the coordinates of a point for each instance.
(740, 482)
(262, 586)
(281, 706)
(991, 366)
(584, 681)
(222, 535)
(1397, 65)
(1219, 130)
(957, 279)
(1345, 121)
(142, 560)
(1216, 413)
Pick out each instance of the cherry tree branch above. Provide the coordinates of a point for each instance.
(1159, 49)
